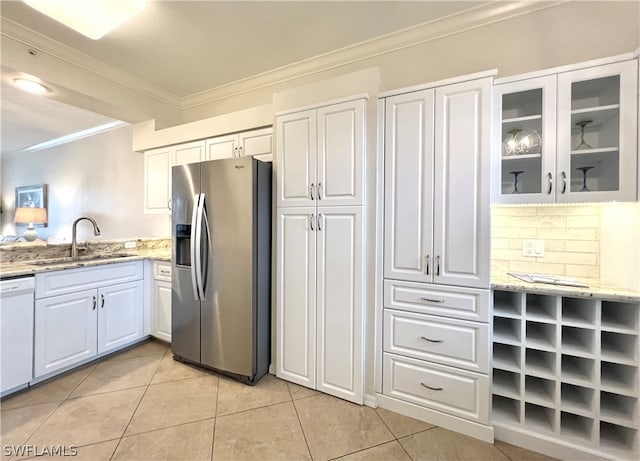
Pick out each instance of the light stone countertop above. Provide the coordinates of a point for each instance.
(507, 282)
(26, 267)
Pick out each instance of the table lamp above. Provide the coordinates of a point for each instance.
(31, 216)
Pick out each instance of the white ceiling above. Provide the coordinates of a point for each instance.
(186, 47)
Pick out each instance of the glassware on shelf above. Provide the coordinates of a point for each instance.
(583, 144)
(584, 170)
(515, 180)
(529, 142)
(510, 145)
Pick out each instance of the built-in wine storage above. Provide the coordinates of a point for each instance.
(565, 370)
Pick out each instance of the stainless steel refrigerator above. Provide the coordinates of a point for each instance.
(221, 266)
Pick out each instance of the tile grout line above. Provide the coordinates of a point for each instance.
(394, 435)
(304, 436)
(498, 448)
(215, 419)
(136, 409)
(55, 409)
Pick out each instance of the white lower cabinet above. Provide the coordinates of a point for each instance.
(161, 301)
(99, 309)
(119, 316)
(319, 299)
(65, 331)
(451, 390)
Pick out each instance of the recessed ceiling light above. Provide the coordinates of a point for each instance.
(92, 18)
(30, 86)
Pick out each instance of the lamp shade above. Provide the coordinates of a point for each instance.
(30, 215)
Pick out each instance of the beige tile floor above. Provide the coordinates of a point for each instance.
(142, 405)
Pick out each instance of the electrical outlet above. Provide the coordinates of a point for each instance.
(533, 248)
(130, 245)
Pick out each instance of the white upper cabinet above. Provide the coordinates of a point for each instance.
(568, 137)
(157, 181)
(409, 186)
(526, 108)
(340, 154)
(437, 185)
(296, 157)
(601, 164)
(158, 162)
(222, 147)
(190, 152)
(320, 156)
(255, 143)
(461, 186)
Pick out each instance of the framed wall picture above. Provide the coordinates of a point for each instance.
(34, 196)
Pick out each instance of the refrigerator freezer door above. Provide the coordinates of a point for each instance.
(228, 311)
(185, 308)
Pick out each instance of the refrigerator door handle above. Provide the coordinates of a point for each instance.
(193, 249)
(198, 249)
(204, 269)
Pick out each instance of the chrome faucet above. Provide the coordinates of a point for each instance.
(74, 244)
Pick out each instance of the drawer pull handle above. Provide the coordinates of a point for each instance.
(94, 303)
(432, 388)
(424, 338)
(431, 300)
(102, 301)
(165, 271)
(426, 264)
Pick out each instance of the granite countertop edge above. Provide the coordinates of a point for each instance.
(25, 268)
(593, 291)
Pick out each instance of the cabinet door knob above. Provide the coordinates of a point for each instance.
(102, 301)
(549, 182)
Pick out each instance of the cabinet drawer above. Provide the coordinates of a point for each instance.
(461, 303)
(67, 281)
(162, 271)
(450, 390)
(458, 343)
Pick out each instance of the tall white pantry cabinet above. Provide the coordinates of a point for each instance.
(320, 248)
(435, 331)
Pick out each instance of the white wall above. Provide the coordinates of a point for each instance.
(99, 176)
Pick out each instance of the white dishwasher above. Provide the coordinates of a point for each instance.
(16, 333)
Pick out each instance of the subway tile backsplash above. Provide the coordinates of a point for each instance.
(597, 243)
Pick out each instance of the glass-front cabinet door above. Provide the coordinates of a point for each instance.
(597, 133)
(525, 139)
(567, 137)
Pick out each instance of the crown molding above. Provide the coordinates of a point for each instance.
(66, 139)
(480, 16)
(55, 49)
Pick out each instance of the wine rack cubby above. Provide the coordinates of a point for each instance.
(566, 373)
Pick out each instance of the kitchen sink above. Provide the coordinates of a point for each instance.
(82, 259)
